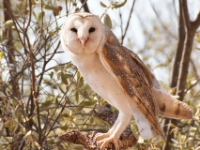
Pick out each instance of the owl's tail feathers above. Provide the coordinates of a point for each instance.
(170, 106)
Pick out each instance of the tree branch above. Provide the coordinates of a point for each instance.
(186, 17)
(179, 49)
(128, 22)
(106, 114)
(85, 6)
(195, 24)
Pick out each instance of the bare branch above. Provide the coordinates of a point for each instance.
(196, 22)
(128, 22)
(179, 49)
(85, 6)
(186, 17)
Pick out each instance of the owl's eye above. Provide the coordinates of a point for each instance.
(91, 29)
(74, 30)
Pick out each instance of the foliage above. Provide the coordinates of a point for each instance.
(43, 95)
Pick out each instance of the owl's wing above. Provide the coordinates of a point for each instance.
(133, 76)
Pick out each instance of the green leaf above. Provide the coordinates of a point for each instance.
(86, 95)
(77, 95)
(91, 120)
(33, 2)
(78, 75)
(107, 21)
(48, 7)
(81, 82)
(65, 127)
(46, 104)
(64, 78)
(1, 55)
(103, 5)
(40, 16)
(87, 103)
(118, 4)
(51, 33)
(51, 74)
(9, 23)
(69, 65)
(64, 115)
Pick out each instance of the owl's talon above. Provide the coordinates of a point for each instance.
(104, 139)
(100, 136)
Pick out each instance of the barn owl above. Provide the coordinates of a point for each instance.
(119, 76)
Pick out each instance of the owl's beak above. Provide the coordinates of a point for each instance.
(83, 40)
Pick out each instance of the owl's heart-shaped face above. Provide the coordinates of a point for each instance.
(82, 34)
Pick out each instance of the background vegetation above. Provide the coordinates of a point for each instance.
(43, 95)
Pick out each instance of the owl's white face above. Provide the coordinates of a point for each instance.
(82, 33)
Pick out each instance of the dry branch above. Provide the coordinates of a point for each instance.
(106, 114)
(191, 27)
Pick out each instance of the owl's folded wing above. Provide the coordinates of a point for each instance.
(133, 76)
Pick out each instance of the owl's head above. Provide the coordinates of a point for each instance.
(82, 33)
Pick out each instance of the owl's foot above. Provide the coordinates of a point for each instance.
(104, 139)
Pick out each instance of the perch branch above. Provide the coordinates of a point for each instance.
(106, 114)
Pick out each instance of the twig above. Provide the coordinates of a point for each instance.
(179, 49)
(128, 22)
(85, 6)
(197, 81)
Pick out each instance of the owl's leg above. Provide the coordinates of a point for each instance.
(112, 136)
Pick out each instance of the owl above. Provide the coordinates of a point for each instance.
(120, 77)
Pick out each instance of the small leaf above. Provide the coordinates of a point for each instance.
(46, 104)
(40, 16)
(91, 120)
(87, 103)
(37, 145)
(107, 21)
(118, 4)
(86, 95)
(78, 76)
(51, 33)
(81, 82)
(64, 115)
(77, 95)
(1, 55)
(48, 7)
(33, 2)
(103, 5)
(64, 78)
(9, 23)
(56, 68)
(65, 127)
(28, 135)
(51, 74)
(69, 65)
(184, 121)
